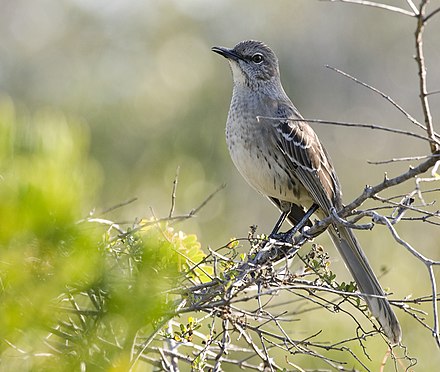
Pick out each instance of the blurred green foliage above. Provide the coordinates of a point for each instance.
(73, 291)
(45, 181)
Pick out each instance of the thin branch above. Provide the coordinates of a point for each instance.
(434, 91)
(432, 14)
(376, 5)
(420, 59)
(369, 191)
(434, 304)
(173, 219)
(123, 204)
(353, 125)
(173, 194)
(408, 158)
(102, 221)
(412, 250)
(413, 7)
(193, 212)
(149, 340)
(387, 97)
(399, 205)
(263, 356)
(428, 264)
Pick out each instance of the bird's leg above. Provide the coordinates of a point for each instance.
(277, 226)
(287, 236)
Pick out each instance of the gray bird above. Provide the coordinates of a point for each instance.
(280, 156)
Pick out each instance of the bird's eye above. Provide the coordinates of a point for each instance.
(257, 58)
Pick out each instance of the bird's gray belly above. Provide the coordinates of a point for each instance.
(264, 169)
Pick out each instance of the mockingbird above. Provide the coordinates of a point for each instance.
(280, 156)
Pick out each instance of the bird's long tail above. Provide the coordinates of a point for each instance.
(360, 269)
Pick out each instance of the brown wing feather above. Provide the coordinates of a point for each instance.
(308, 161)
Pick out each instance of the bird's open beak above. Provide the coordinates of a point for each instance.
(226, 52)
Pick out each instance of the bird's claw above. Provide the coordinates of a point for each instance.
(282, 237)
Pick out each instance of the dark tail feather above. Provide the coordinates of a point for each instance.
(360, 269)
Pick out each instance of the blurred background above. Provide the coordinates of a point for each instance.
(154, 97)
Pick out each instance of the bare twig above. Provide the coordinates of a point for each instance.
(433, 91)
(223, 345)
(413, 7)
(172, 220)
(353, 125)
(376, 5)
(111, 224)
(420, 59)
(173, 194)
(408, 158)
(432, 14)
(387, 97)
(123, 204)
(429, 264)
(369, 191)
(194, 212)
(268, 362)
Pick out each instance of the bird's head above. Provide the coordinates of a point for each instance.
(252, 63)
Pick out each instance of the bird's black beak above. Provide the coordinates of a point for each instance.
(226, 52)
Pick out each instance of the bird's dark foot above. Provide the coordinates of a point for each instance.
(286, 237)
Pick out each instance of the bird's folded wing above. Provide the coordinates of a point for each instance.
(308, 160)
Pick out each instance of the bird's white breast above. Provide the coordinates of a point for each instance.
(245, 137)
